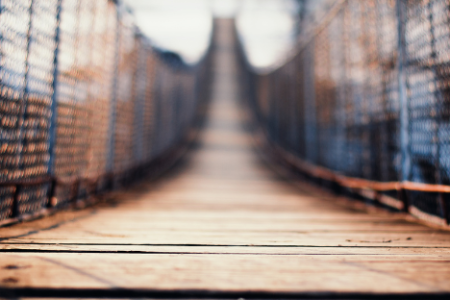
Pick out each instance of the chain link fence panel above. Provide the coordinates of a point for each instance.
(363, 104)
(87, 103)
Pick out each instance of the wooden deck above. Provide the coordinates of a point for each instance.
(223, 225)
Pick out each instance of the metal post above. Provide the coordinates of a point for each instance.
(113, 109)
(16, 206)
(404, 106)
(23, 112)
(139, 99)
(54, 105)
(310, 105)
(437, 117)
(293, 100)
(343, 78)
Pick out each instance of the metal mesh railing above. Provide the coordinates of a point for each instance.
(363, 105)
(87, 103)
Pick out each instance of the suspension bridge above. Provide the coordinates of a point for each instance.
(190, 196)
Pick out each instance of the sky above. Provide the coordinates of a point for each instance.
(184, 26)
(267, 29)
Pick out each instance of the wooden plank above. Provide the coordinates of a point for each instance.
(226, 272)
(226, 238)
(400, 252)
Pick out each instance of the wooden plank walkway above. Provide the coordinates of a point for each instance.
(222, 225)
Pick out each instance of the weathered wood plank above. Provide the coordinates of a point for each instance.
(400, 252)
(227, 272)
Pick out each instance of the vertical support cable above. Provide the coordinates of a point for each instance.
(54, 105)
(404, 106)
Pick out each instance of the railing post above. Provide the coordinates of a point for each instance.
(139, 99)
(113, 104)
(438, 100)
(16, 206)
(310, 104)
(403, 100)
(23, 114)
(23, 109)
(293, 104)
(54, 105)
